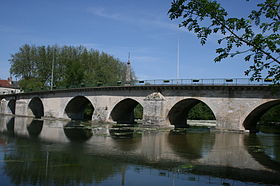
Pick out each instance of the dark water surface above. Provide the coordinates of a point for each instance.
(44, 152)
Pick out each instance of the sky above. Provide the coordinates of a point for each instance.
(117, 27)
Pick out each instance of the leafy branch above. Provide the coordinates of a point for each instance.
(259, 32)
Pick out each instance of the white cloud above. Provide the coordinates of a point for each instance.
(141, 20)
(101, 12)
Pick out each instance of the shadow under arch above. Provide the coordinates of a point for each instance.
(123, 112)
(76, 107)
(254, 147)
(191, 146)
(250, 122)
(36, 107)
(12, 106)
(179, 112)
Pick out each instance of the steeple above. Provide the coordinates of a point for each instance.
(128, 71)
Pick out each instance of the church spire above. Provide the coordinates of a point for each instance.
(128, 71)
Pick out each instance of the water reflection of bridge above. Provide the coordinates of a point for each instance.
(230, 151)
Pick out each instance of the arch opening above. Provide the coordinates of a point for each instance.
(264, 118)
(36, 108)
(12, 106)
(79, 108)
(127, 111)
(191, 112)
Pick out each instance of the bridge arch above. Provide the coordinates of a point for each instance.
(178, 113)
(36, 107)
(250, 122)
(11, 106)
(79, 108)
(123, 111)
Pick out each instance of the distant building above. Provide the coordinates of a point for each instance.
(8, 86)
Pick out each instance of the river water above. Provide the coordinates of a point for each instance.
(51, 152)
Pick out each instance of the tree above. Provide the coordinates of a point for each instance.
(73, 66)
(201, 112)
(256, 36)
(272, 115)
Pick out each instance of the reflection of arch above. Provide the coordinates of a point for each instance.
(255, 149)
(178, 113)
(36, 107)
(12, 106)
(35, 127)
(251, 120)
(76, 107)
(76, 132)
(10, 126)
(127, 144)
(78, 167)
(123, 112)
(191, 145)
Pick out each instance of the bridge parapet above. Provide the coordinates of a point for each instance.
(162, 82)
(217, 81)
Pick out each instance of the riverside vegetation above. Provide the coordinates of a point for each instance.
(73, 66)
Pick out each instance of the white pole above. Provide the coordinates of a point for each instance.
(178, 60)
(52, 71)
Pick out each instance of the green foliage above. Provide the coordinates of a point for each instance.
(138, 112)
(75, 74)
(272, 115)
(30, 84)
(256, 37)
(73, 66)
(201, 112)
(88, 112)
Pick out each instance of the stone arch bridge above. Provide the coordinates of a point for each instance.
(236, 107)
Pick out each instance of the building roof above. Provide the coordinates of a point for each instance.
(5, 83)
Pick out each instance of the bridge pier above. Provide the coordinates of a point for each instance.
(154, 112)
(3, 103)
(22, 108)
(8, 106)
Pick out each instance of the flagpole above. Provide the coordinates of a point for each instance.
(178, 60)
